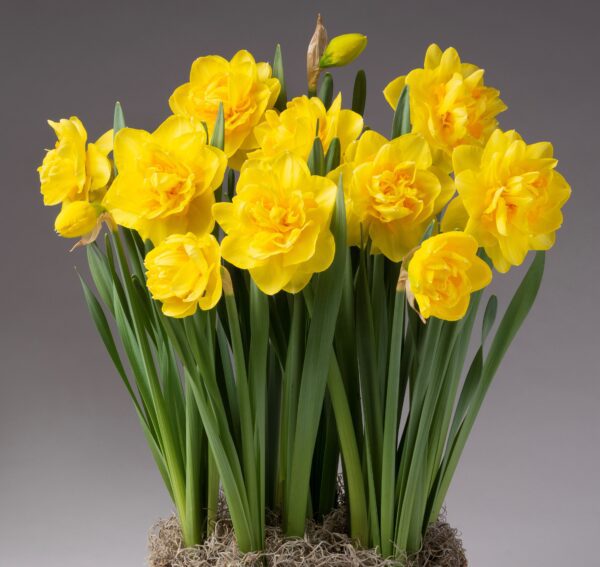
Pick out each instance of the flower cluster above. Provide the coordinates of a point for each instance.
(264, 255)
(508, 194)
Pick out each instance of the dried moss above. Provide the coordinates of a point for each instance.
(325, 545)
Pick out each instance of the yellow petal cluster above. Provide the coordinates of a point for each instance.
(245, 88)
(166, 179)
(75, 174)
(509, 197)
(277, 225)
(393, 192)
(444, 272)
(184, 273)
(449, 102)
(74, 168)
(294, 129)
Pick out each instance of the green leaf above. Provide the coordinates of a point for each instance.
(359, 94)
(229, 379)
(194, 441)
(249, 457)
(332, 159)
(119, 118)
(514, 317)
(100, 274)
(291, 386)
(355, 484)
(104, 330)
(218, 136)
(489, 317)
(118, 124)
(328, 296)
(278, 74)
(316, 158)
(367, 350)
(401, 123)
(326, 90)
(391, 418)
(257, 382)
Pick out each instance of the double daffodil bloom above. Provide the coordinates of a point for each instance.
(166, 179)
(392, 192)
(245, 88)
(509, 197)
(74, 170)
(294, 129)
(444, 272)
(277, 225)
(449, 102)
(184, 273)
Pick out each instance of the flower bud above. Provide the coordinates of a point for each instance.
(316, 47)
(343, 49)
(76, 219)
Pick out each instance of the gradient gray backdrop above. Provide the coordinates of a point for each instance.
(78, 487)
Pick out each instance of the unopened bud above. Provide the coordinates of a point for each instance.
(343, 49)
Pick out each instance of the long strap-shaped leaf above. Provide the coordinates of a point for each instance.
(314, 373)
(515, 314)
(390, 433)
(257, 381)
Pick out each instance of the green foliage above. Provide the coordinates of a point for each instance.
(263, 397)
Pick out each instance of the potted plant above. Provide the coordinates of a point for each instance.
(289, 296)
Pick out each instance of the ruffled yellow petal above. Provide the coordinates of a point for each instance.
(393, 91)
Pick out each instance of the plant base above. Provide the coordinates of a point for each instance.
(325, 545)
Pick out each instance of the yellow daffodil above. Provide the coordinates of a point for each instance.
(444, 272)
(245, 88)
(166, 179)
(393, 192)
(277, 225)
(449, 103)
(509, 197)
(184, 273)
(76, 219)
(343, 49)
(294, 129)
(73, 170)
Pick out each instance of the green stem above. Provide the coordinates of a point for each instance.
(357, 500)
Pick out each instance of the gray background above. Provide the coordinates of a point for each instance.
(77, 485)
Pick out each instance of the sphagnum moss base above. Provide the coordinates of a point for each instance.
(325, 545)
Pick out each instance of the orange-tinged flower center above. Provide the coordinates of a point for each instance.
(395, 194)
(514, 203)
(168, 184)
(278, 221)
(445, 278)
